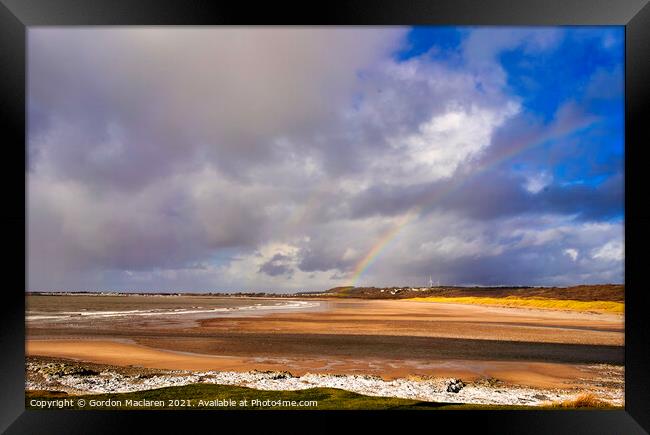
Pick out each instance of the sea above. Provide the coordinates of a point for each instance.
(54, 308)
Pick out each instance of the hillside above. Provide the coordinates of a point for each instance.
(604, 292)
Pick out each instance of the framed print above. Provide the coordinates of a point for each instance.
(369, 211)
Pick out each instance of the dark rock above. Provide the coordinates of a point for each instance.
(455, 385)
(67, 370)
(488, 382)
(145, 376)
(85, 372)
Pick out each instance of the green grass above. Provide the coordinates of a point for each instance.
(327, 398)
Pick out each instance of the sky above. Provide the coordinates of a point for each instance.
(285, 159)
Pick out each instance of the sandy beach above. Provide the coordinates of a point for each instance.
(390, 339)
(533, 374)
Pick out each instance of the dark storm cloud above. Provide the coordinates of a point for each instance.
(277, 265)
(146, 153)
(322, 260)
(144, 91)
(494, 195)
(529, 267)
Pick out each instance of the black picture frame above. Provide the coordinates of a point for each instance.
(17, 15)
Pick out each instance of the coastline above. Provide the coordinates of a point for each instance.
(116, 353)
(83, 378)
(503, 355)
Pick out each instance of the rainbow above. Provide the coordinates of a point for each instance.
(379, 246)
(486, 164)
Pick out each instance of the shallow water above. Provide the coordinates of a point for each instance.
(84, 308)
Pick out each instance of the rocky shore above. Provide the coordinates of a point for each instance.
(49, 374)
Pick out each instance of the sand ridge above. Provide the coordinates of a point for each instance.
(409, 318)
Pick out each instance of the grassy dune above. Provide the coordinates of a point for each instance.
(544, 303)
(585, 400)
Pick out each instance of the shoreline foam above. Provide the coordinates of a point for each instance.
(66, 315)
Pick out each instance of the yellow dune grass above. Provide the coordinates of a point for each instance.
(544, 303)
(584, 400)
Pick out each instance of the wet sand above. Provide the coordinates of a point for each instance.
(542, 375)
(544, 348)
(423, 319)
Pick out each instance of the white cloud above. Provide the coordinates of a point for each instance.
(536, 182)
(448, 140)
(610, 251)
(572, 253)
